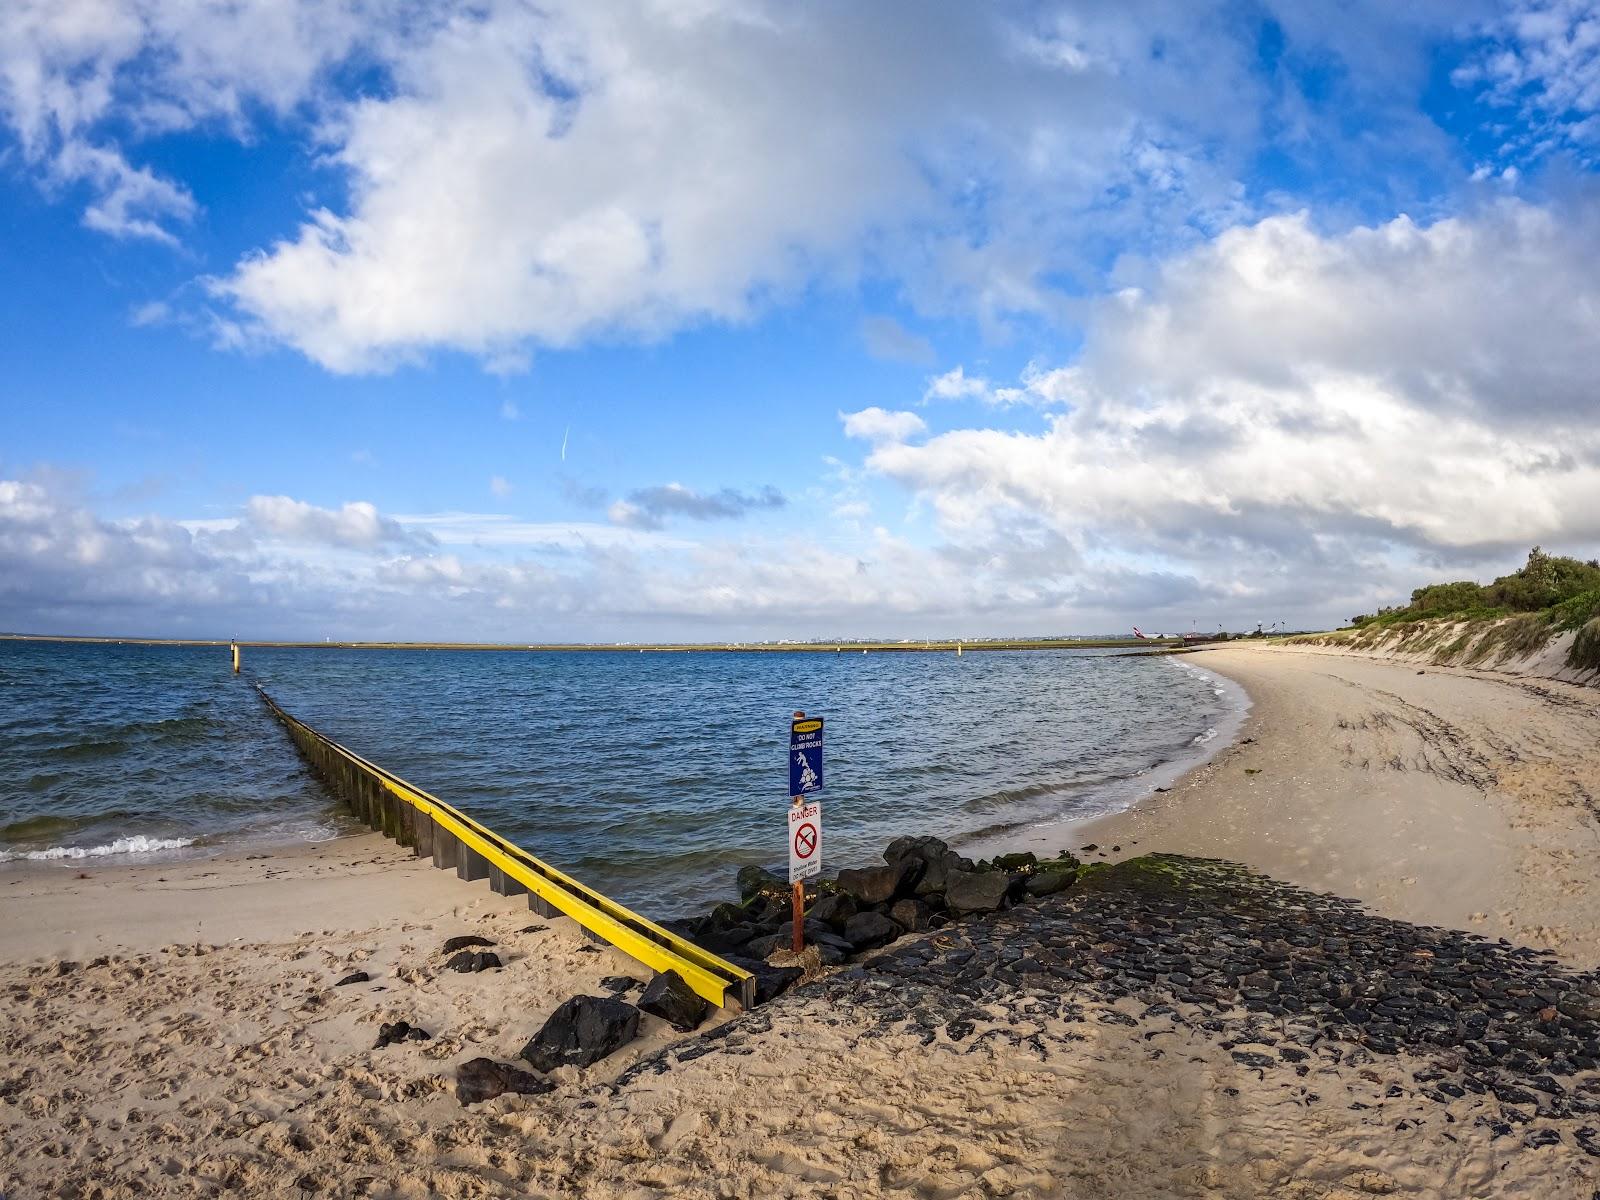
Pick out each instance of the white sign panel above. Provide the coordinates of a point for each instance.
(805, 841)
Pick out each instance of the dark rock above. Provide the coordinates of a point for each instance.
(879, 885)
(910, 915)
(1580, 1005)
(975, 891)
(484, 1079)
(1020, 861)
(758, 881)
(469, 962)
(869, 930)
(936, 873)
(1049, 882)
(771, 981)
(582, 1031)
(667, 996)
(354, 977)
(761, 947)
(462, 942)
(400, 1031)
(926, 849)
(617, 984)
(833, 910)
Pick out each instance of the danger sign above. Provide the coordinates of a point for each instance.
(805, 841)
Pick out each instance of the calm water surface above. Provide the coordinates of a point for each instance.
(651, 776)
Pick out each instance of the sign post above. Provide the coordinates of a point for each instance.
(805, 817)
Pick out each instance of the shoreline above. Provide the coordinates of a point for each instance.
(180, 1029)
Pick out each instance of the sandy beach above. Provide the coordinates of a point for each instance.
(1437, 795)
(175, 1030)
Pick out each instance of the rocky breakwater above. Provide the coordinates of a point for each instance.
(922, 885)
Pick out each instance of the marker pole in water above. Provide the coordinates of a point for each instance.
(235, 646)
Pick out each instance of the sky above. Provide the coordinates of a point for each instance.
(699, 320)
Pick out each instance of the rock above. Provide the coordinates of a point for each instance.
(761, 947)
(354, 977)
(469, 962)
(484, 1079)
(1016, 862)
(582, 1031)
(758, 881)
(910, 915)
(936, 873)
(463, 942)
(617, 984)
(879, 885)
(1049, 882)
(975, 891)
(1580, 1006)
(667, 996)
(771, 981)
(869, 930)
(925, 849)
(833, 910)
(400, 1031)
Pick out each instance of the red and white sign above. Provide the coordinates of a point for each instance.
(805, 841)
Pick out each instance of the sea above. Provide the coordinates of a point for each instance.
(651, 776)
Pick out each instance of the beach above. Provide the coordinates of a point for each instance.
(178, 1030)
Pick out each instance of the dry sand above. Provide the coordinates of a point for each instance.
(1449, 797)
(173, 1031)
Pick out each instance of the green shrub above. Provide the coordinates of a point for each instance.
(1544, 580)
(1447, 597)
(1585, 650)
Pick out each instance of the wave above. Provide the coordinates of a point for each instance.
(137, 844)
(1200, 739)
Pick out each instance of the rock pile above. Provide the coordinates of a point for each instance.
(922, 885)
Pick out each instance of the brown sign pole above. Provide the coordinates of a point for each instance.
(799, 888)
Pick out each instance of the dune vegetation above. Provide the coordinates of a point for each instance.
(1516, 615)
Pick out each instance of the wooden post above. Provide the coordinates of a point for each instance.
(235, 646)
(798, 897)
(799, 916)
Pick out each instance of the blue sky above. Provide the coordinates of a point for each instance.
(693, 320)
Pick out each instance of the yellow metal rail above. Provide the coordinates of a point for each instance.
(412, 817)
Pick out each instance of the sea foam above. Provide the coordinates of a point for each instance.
(137, 844)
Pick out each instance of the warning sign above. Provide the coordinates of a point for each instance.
(805, 841)
(805, 755)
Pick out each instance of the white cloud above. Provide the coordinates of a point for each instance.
(71, 70)
(880, 425)
(356, 524)
(525, 175)
(1543, 59)
(509, 410)
(500, 485)
(1281, 398)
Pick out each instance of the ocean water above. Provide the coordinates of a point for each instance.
(653, 777)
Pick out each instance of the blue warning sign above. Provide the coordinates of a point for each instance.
(805, 756)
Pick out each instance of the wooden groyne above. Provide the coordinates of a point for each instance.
(454, 841)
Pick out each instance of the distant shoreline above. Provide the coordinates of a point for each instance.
(922, 645)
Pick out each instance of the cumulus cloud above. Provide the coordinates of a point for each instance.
(653, 507)
(357, 524)
(880, 425)
(71, 70)
(1282, 398)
